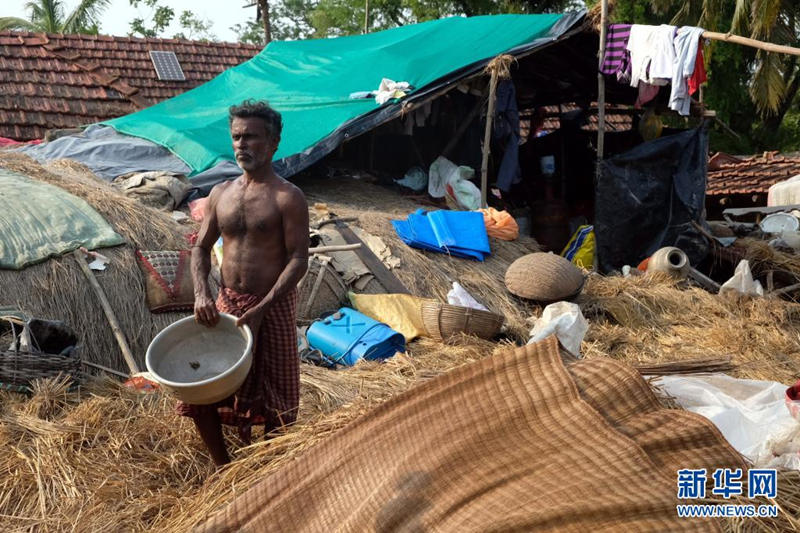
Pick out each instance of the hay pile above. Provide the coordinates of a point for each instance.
(57, 289)
(429, 274)
(109, 457)
(650, 320)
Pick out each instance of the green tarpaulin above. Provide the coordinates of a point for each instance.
(38, 221)
(310, 83)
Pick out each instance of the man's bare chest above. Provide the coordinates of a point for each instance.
(238, 214)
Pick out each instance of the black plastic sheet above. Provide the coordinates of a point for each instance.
(648, 197)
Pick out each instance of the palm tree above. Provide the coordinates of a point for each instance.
(49, 16)
(776, 79)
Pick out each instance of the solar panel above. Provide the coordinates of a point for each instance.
(167, 66)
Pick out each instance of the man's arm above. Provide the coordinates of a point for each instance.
(294, 214)
(205, 312)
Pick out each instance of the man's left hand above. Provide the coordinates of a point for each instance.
(252, 318)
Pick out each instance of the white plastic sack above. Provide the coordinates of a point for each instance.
(565, 320)
(438, 174)
(465, 194)
(742, 281)
(785, 192)
(415, 179)
(750, 414)
(458, 295)
(444, 171)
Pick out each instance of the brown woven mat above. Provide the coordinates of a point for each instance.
(507, 443)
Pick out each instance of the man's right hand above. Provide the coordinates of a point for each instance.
(205, 312)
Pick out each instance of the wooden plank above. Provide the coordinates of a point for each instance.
(371, 261)
(742, 211)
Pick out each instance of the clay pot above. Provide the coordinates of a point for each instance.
(669, 260)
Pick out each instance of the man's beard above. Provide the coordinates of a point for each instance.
(247, 160)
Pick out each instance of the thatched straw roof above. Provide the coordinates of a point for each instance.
(57, 289)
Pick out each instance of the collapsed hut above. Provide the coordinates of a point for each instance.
(104, 455)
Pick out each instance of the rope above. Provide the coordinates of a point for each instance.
(501, 64)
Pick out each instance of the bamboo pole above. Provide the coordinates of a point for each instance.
(112, 318)
(487, 137)
(601, 88)
(746, 41)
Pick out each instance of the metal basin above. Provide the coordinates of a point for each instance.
(201, 365)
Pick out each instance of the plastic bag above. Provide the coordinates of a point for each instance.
(500, 224)
(565, 321)
(444, 171)
(415, 179)
(742, 281)
(580, 248)
(750, 414)
(458, 295)
(463, 194)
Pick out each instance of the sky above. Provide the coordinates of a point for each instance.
(116, 19)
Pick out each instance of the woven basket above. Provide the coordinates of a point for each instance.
(19, 368)
(329, 296)
(544, 278)
(444, 320)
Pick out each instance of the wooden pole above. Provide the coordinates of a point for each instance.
(366, 16)
(334, 248)
(487, 138)
(601, 88)
(112, 319)
(746, 41)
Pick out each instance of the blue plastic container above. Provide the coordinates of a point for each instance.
(347, 336)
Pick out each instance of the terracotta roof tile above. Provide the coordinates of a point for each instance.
(728, 175)
(54, 81)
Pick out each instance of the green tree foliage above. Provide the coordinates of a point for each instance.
(161, 16)
(51, 17)
(751, 90)
(302, 19)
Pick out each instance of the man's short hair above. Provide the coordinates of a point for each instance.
(259, 109)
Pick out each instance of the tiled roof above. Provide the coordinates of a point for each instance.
(615, 119)
(54, 81)
(751, 175)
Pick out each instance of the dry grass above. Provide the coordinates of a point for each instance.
(108, 457)
(650, 320)
(429, 274)
(57, 288)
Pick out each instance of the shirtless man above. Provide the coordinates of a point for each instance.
(263, 220)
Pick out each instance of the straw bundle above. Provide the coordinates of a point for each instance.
(648, 320)
(764, 258)
(501, 64)
(57, 289)
(429, 274)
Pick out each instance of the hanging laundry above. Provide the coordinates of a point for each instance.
(646, 93)
(686, 43)
(662, 66)
(650, 54)
(699, 74)
(617, 59)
